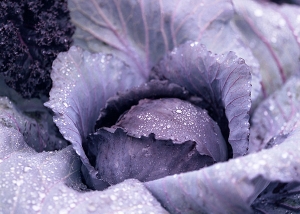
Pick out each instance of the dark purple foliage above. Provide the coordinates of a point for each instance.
(32, 33)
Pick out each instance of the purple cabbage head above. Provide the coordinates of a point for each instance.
(158, 128)
(110, 103)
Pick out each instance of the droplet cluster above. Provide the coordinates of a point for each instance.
(50, 182)
(176, 120)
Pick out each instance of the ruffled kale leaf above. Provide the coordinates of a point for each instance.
(32, 33)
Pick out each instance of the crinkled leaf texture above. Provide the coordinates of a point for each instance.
(273, 34)
(276, 116)
(230, 187)
(82, 82)
(224, 83)
(141, 32)
(49, 182)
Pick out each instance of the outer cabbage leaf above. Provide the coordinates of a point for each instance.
(230, 187)
(273, 34)
(276, 116)
(49, 182)
(141, 32)
(222, 37)
(82, 82)
(31, 118)
(223, 82)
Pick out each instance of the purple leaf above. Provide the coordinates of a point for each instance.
(122, 102)
(118, 157)
(141, 32)
(222, 81)
(276, 116)
(229, 187)
(273, 34)
(82, 82)
(49, 182)
(32, 119)
(176, 120)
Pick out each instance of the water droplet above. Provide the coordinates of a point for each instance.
(194, 44)
(281, 22)
(91, 207)
(113, 197)
(258, 13)
(241, 61)
(284, 155)
(178, 111)
(35, 207)
(63, 211)
(273, 39)
(298, 19)
(27, 168)
(18, 182)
